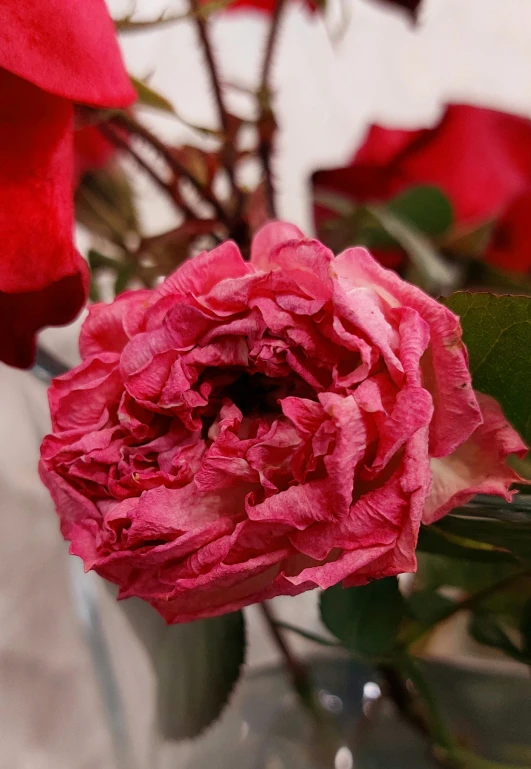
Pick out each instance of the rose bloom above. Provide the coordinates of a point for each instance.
(480, 158)
(248, 430)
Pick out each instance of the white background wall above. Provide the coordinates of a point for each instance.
(383, 69)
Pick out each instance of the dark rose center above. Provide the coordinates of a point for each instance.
(260, 394)
(254, 394)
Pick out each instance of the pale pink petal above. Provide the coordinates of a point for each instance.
(478, 466)
(269, 236)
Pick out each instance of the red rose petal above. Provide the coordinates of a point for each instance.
(36, 217)
(66, 48)
(480, 158)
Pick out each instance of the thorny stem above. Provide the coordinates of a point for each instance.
(227, 153)
(113, 136)
(138, 129)
(270, 44)
(308, 635)
(202, 29)
(265, 121)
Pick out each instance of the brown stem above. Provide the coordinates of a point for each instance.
(266, 119)
(326, 736)
(295, 669)
(398, 692)
(469, 602)
(202, 29)
(270, 44)
(265, 148)
(410, 709)
(227, 153)
(138, 129)
(115, 138)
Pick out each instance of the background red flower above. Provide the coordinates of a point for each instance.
(480, 158)
(52, 54)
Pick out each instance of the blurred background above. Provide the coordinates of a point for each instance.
(333, 76)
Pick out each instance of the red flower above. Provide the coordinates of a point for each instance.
(480, 159)
(92, 150)
(52, 54)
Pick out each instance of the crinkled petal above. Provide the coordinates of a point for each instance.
(446, 372)
(478, 466)
(202, 273)
(105, 328)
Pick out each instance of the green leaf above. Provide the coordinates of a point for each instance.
(433, 540)
(486, 630)
(425, 207)
(497, 333)
(428, 606)
(436, 275)
(97, 261)
(505, 536)
(366, 619)
(151, 98)
(425, 608)
(196, 664)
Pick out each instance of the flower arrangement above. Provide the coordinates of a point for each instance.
(258, 412)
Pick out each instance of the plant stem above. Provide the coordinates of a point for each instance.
(436, 724)
(266, 120)
(318, 639)
(114, 136)
(202, 30)
(327, 737)
(408, 706)
(416, 633)
(270, 44)
(227, 154)
(295, 669)
(128, 25)
(128, 122)
(448, 753)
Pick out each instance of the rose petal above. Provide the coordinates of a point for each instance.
(478, 466)
(43, 280)
(269, 236)
(446, 372)
(68, 49)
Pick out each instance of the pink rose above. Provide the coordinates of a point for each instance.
(256, 429)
